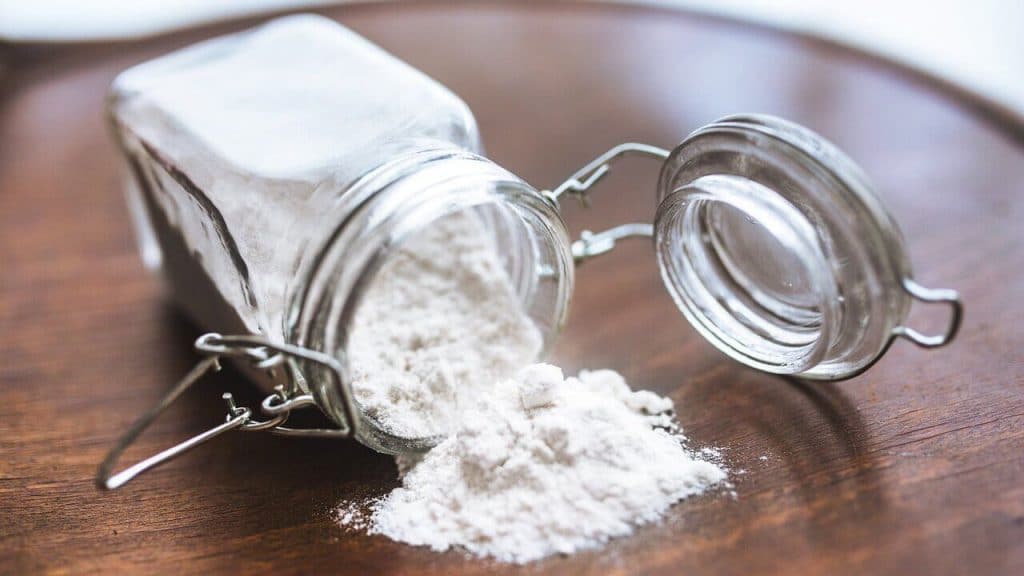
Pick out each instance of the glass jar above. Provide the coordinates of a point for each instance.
(267, 198)
(272, 172)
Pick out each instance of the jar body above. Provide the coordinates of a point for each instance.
(274, 171)
(241, 146)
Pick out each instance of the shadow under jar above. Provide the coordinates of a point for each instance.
(273, 173)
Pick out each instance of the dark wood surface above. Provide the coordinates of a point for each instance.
(915, 467)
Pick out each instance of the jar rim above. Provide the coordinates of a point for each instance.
(397, 201)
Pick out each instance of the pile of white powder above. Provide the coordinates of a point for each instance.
(535, 463)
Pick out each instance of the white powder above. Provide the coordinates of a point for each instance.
(534, 464)
(351, 516)
(440, 323)
(546, 465)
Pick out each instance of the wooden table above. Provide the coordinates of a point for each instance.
(915, 467)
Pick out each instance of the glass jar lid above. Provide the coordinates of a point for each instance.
(776, 249)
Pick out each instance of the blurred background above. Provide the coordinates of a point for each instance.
(976, 44)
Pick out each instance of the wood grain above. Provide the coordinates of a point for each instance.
(914, 467)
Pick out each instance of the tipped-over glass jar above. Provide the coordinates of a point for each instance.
(273, 172)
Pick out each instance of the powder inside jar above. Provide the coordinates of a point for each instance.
(439, 324)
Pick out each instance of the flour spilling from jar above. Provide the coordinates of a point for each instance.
(440, 322)
(534, 463)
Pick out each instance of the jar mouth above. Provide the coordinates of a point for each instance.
(525, 229)
(745, 268)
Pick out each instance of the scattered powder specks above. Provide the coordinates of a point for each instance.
(352, 515)
(712, 452)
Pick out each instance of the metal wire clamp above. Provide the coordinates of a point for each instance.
(263, 355)
(579, 184)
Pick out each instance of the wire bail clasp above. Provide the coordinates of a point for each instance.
(262, 354)
(945, 296)
(579, 184)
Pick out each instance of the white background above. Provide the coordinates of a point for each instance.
(976, 43)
